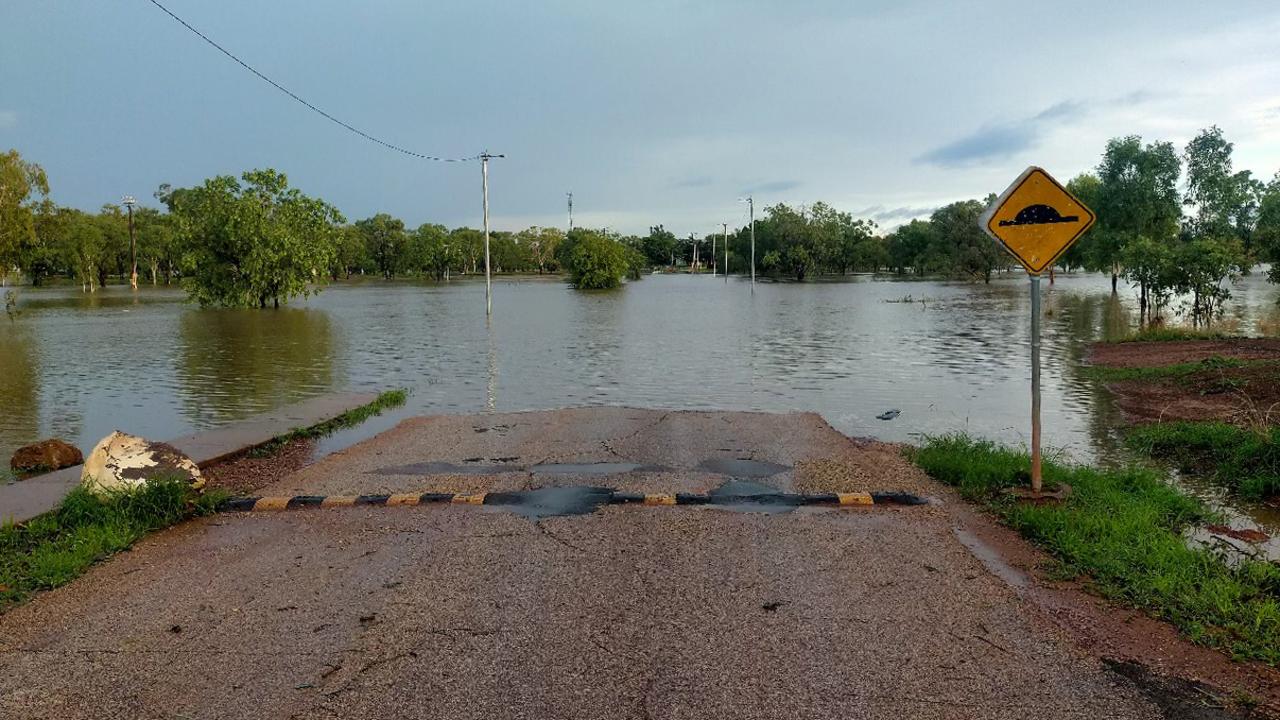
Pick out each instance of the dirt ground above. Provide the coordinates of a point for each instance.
(1157, 354)
(248, 473)
(452, 611)
(1247, 395)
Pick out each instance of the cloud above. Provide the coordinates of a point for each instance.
(8, 118)
(774, 186)
(882, 215)
(1003, 140)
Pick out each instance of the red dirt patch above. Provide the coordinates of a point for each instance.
(1245, 395)
(1159, 354)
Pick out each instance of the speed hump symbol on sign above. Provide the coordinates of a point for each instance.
(1036, 220)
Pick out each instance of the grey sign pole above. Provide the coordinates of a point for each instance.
(1035, 384)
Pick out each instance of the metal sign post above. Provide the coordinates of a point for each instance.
(1035, 384)
(1036, 220)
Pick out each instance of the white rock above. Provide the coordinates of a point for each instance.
(125, 462)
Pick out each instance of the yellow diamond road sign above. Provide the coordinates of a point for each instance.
(1036, 220)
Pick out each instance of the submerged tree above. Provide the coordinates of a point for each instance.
(247, 244)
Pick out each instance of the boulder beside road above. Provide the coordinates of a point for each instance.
(124, 462)
(46, 455)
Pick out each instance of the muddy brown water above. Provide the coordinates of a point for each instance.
(947, 355)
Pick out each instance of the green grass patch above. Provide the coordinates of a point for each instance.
(1247, 460)
(1122, 530)
(1170, 333)
(350, 418)
(1178, 370)
(56, 547)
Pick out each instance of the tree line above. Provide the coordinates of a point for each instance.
(1173, 223)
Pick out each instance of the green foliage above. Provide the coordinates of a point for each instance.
(55, 548)
(1267, 230)
(542, 244)
(20, 182)
(385, 242)
(595, 260)
(1179, 370)
(1244, 459)
(1201, 267)
(1136, 196)
(1122, 529)
(242, 245)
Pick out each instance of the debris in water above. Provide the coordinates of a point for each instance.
(889, 414)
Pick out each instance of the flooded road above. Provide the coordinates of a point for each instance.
(946, 355)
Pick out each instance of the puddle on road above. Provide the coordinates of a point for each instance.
(476, 468)
(747, 496)
(552, 501)
(742, 467)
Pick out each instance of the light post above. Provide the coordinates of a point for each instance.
(129, 202)
(751, 204)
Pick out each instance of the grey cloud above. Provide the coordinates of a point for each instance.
(1003, 140)
(882, 215)
(774, 186)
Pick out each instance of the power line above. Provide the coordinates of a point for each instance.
(294, 95)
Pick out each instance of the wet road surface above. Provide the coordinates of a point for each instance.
(454, 611)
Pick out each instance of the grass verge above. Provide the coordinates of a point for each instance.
(351, 418)
(1122, 531)
(56, 547)
(1178, 370)
(1246, 460)
(1171, 333)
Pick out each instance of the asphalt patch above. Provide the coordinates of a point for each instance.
(742, 467)
(552, 501)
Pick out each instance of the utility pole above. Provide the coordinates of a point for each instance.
(694, 241)
(751, 203)
(133, 243)
(725, 227)
(713, 254)
(484, 188)
(570, 211)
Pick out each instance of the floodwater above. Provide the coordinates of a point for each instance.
(947, 355)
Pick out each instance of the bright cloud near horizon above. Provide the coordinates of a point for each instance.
(658, 112)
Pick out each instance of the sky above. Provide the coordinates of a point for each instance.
(661, 111)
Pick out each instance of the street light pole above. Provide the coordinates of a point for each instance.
(133, 243)
(725, 227)
(484, 188)
(570, 211)
(751, 203)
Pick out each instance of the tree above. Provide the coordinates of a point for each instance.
(659, 246)
(957, 228)
(1267, 233)
(351, 254)
(1137, 196)
(20, 181)
(242, 245)
(1151, 266)
(1202, 265)
(386, 242)
(909, 245)
(429, 250)
(595, 260)
(542, 244)
(1224, 202)
(156, 232)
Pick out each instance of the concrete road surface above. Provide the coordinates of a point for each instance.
(452, 611)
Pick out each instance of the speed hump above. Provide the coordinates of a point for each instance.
(1036, 220)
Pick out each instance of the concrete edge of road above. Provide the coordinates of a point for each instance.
(24, 499)
(605, 497)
